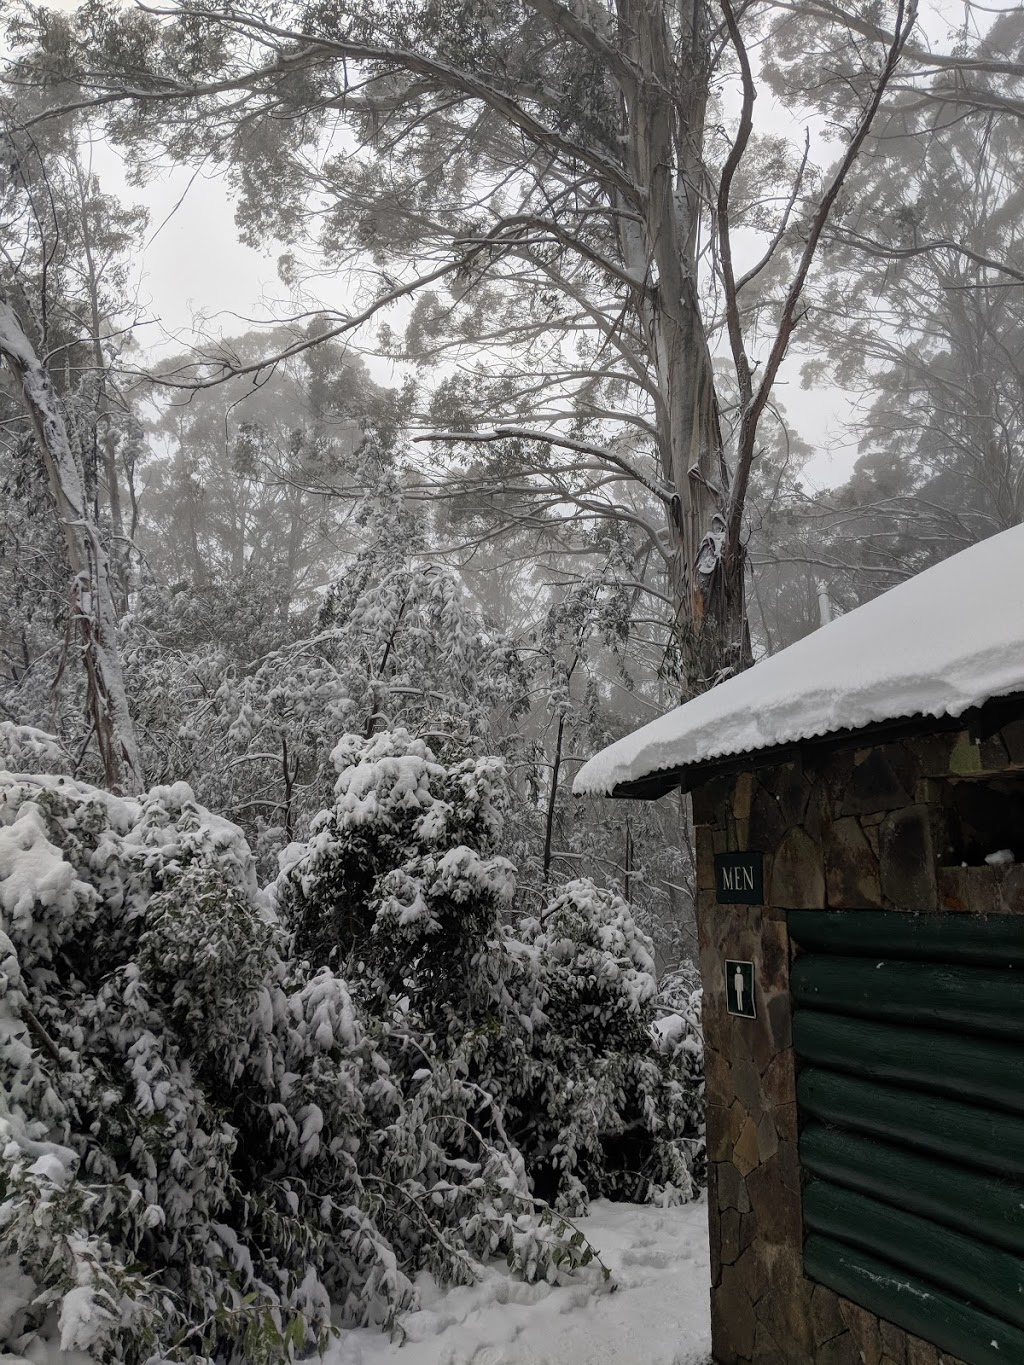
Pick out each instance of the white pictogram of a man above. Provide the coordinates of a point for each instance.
(737, 982)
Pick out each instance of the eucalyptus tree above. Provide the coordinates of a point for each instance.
(554, 189)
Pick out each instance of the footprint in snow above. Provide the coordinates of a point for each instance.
(658, 1260)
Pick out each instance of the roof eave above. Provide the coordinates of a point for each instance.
(980, 721)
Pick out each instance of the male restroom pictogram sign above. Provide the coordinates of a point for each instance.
(739, 989)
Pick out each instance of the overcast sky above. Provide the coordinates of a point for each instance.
(193, 267)
(194, 272)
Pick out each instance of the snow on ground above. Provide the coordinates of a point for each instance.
(658, 1314)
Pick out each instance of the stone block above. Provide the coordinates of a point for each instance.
(755, 1271)
(784, 1310)
(907, 859)
(746, 1083)
(826, 1321)
(748, 1230)
(767, 1350)
(787, 1163)
(718, 1087)
(791, 789)
(768, 825)
(732, 1318)
(882, 778)
(767, 1138)
(777, 1207)
(723, 1185)
(745, 1153)
(744, 1038)
(994, 758)
(932, 753)
(723, 1128)
(731, 1190)
(864, 1330)
(837, 770)
(953, 888)
(798, 873)
(871, 835)
(965, 756)
(851, 868)
(921, 1352)
(711, 800)
(928, 791)
(894, 1342)
(715, 1243)
(706, 902)
(983, 887)
(818, 813)
(778, 1081)
(729, 1236)
(785, 1119)
(841, 1350)
(742, 796)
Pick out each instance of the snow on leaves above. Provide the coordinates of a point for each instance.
(229, 1110)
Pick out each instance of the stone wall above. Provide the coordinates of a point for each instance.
(880, 827)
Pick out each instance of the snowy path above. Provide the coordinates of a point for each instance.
(658, 1315)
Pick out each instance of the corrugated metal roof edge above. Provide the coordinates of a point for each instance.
(980, 721)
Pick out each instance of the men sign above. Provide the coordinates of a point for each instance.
(739, 989)
(739, 878)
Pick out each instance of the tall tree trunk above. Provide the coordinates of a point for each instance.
(549, 819)
(106, 440)
(664, 119)
(92, 598)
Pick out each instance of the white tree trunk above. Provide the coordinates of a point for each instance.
(665, 109)
(92, 599)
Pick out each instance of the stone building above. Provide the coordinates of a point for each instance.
(858, 803)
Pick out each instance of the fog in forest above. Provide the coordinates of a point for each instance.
(400, 404)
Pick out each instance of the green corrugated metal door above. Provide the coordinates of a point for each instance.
(909, 1035)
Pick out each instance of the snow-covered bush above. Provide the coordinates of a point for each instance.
(23, 748)
(609, 1111)
(164, 1065)
(547, 1027)
(202, 1142)
(225, 1112)
(679, 1032)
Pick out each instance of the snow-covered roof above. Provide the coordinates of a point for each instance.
(947, 640)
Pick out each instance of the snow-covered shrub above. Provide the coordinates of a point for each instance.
(163, 1069)
(541, 1037)
(609, 1110)
(224, 1112)
(679, 1032)
(23, 748)
(204, 1140)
